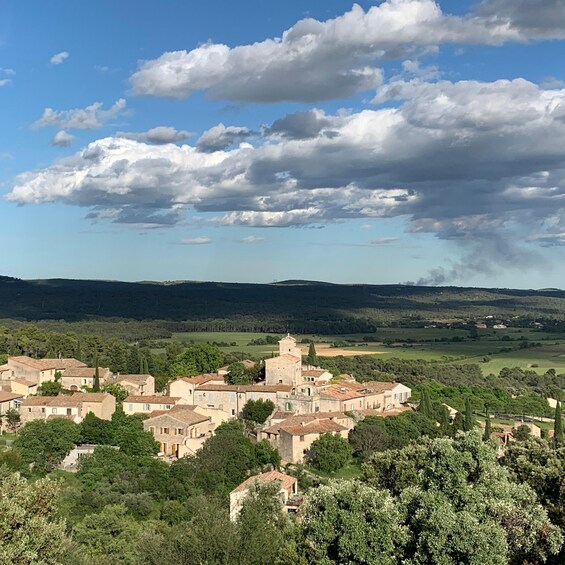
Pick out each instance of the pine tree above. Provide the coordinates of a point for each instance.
(96, 385)
(558, 425)
(425, 406)
(488, 429)
(312, 358)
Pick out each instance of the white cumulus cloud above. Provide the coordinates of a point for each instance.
(62, 139)
(321, 60)
(91, 117)
(59, 58)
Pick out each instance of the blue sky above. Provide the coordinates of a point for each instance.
(383, 142)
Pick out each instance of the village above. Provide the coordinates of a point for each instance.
(308, 402)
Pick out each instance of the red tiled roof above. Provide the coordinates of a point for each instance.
(287, 482)
(156, 399)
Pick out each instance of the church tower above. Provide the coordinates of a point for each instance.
(287, 346)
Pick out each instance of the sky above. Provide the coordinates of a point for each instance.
(400, 141)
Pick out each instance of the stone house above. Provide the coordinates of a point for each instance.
(101, 404)
(136, 385)
(23, 387)
(37, 370)
(288, 491)
(9, 401)
(76, 378)
(294, 436)
(45, 407)
(148, 404)
(179, 431)
(232, 398)
(74, 407)
(185, 386)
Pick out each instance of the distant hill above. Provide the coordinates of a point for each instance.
(305, 306)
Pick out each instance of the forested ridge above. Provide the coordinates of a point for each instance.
(298, 306)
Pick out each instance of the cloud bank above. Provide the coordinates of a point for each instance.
(479, 164)
(315, 60)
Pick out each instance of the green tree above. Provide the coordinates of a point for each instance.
(461, 506)
(444, 421)
(198, 359)
(30, 529)
(96, 384)
(110, 536)
(350, 522)
(558, 425)
(329, 453)
(45, 443)
(312, 358)
(425, 406)
(458, 423)
(469, 421)
(237, 374)
(261, 526)
(49, 388)
(488, 429)
(257, 411)
(96, 431)
(522, 433)
(116, 390)
(12, 417)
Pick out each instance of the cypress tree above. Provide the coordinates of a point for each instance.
(96, 385)
(469, 422)
(458, 423)
(425, 406)
(312, 358)
(488, 429)
(558, 425)
(444, 421)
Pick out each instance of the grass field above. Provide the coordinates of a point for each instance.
(430, 344)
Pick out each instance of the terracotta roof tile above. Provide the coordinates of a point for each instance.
(7, 396)
(156, 399)
(287, 482)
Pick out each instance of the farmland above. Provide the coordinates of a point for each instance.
(494, 350)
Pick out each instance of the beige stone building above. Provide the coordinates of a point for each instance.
(74, 407)
(9, 401)
(148, 404)
(232, 398)
(23, 387)
(286, 368)
(288, 491)
(76, 378)
(136, 385)
(293, 436)
(179, 431)
(185, 386)
(36, 370)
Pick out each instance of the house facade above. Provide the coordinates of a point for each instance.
(294, 436)
(147, 404)
(136, 385)
(76, 378)
(37, 370)
(179, 431)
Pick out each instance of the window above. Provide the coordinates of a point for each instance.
(167, 406)
(301, 438)
(42, 410)
(146, 407)
(179, 431)
(233, 412)
(29, 409)
(130, 407)
(69, 411)
(165, 431)
(54, 411)
(152, 429)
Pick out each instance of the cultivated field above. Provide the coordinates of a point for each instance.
(494, 350)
